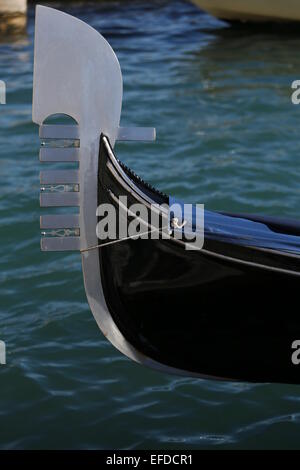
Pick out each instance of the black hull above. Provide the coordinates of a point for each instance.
(226, 311)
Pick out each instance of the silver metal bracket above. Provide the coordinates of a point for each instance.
(147, 134)
(77, 74)
(96, 110)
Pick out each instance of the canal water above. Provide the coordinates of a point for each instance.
(228, 137)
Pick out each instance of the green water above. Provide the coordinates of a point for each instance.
(228, 137)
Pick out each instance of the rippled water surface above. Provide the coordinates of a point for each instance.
(228, 136)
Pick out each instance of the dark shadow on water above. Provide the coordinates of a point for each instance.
(271, 48)
(238, 28)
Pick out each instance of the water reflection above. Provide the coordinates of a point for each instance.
(228, 137)
(12, 27)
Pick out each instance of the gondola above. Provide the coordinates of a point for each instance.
(254, 11)
(225, 308)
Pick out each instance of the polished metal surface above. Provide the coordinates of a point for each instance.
(59, 176)
(60, 244)
(59, 199)
(97, 110)
(50, 131)
(59, 221)
(59, 154)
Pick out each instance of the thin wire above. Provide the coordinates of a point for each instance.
(113, 242)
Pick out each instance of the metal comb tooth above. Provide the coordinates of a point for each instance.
(59, 176)
(59, 154)
(64, 199)
(52, 131)
(72, 132)
(60, 243)
(58, 221)
(60, 188)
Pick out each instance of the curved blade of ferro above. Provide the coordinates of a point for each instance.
(77, 73)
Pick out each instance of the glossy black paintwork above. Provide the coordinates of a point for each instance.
(196, 312)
